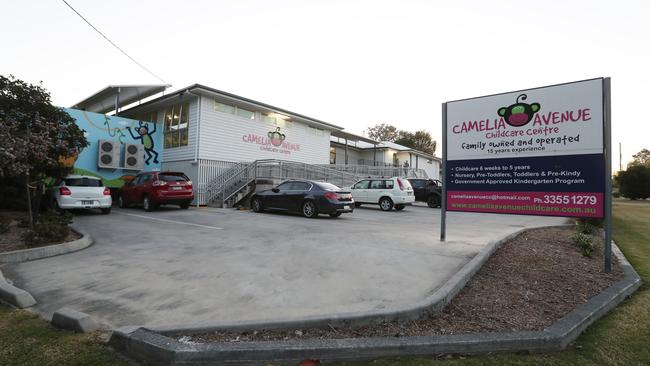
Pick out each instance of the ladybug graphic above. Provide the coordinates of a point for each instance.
(276, 137)
(520, 113)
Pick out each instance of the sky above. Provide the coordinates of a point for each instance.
(353, 63)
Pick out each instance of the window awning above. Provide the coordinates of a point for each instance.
(352, 137)
(113, 97)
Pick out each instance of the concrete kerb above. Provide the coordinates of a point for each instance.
(25, 255)
(20, 298)
(147, 345)
(14, 296)
(431, 304)
(66, 318)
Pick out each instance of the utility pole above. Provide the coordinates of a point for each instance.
(620, 157)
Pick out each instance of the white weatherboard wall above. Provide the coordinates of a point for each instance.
(353, 156)
(222, 138)
(432, 168)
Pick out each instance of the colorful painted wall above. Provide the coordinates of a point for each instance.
(102, 127)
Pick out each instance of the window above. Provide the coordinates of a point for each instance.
(277, 120)
(317, 131)
(300, 186)
(167, 177)
(145, 178)
(332, 155)
(286, 186)
(245, 113)
(141, 178)
(362, 185)
(389, 184)
(241, 112)
(417, 183)
(83, 182)
(395, 160)
(177, 125)
(329, 187)
(377, 184)
(148, 117)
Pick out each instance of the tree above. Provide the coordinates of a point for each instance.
(383, 132)
(641, 158)
(634, 183)
(34, 137)
(420, 140)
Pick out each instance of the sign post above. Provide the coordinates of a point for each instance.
(607, 106)
(443, 201)
(541, 151)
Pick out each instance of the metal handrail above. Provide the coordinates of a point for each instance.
(236, 178)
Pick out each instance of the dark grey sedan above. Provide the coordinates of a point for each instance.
(309, 198)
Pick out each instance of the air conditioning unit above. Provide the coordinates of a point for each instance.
(134, 156)
(108, 154)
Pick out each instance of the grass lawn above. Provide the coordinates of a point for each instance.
(621, 338)
(25, 339)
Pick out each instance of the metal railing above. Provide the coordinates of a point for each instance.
(233, 178)
(364, 171)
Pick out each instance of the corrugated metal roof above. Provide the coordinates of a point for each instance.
(104, 100)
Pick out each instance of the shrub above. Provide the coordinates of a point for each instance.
(51, 226)
(616, 194)
(585, 242)
(4, 224)
(634, 183)
(587, 226)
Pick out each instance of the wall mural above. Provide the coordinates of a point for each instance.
(102, 127)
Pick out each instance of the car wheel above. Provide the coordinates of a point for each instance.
(57, 208)
(309, 209)
(146, 204)
(399, 207)
(106, 211)
(256, 205)
(120, 202)
(386, 204)
(357, 204)
(433, 201)
(185, 206)
(336, 214)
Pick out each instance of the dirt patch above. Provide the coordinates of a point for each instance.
(532, 280)
(12, 232)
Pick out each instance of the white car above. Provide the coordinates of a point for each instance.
(385, 192)
(80, 191)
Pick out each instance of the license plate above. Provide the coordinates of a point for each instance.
(85, 203)
(346, 207)
(176, 188)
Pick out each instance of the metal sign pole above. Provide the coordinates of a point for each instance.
(443, 201)
(607, 114)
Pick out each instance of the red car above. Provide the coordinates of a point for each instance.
(152, 189)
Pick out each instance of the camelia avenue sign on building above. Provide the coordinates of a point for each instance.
(533, 152)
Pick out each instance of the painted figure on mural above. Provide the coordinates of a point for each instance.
(146, 139)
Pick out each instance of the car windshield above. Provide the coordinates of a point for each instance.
(83, 182)
(329, 187)
(173, 177)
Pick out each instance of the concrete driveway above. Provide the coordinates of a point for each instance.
(221, 265)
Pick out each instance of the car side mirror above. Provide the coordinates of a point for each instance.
(275, 190)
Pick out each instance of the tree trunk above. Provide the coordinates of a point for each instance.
(29, 204)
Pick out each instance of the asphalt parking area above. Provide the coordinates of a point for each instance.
(222, 265)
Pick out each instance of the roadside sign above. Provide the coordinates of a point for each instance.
(541, 151)
(531, 152)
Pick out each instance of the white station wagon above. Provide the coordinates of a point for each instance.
(385, 192)
(80, 191)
